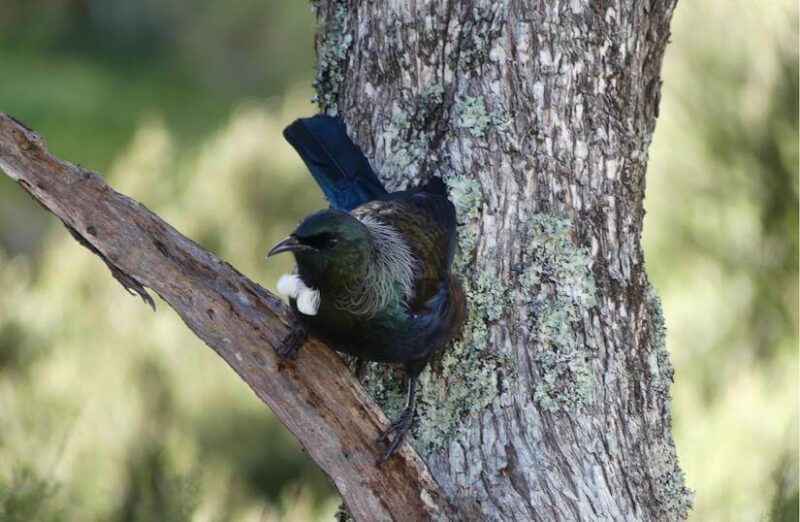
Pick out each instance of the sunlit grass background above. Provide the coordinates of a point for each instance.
(111, 412)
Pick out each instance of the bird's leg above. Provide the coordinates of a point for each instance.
(360, 371)
(290, 346)
(403, 423)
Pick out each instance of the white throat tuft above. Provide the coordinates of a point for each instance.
(307, 299)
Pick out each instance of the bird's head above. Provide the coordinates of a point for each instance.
(326, 244)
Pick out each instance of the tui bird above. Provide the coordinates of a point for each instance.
(372, 276)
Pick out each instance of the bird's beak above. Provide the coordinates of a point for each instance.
(288, 244)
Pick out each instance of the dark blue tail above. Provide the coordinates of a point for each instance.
(337, 164)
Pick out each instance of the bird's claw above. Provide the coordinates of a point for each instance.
(291, 344)
(394, 426)
(360, 370)
(401, 427)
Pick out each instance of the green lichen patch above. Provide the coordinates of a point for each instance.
(408, 138)
(489, 296)
(480, 34)
(431, 96)
(333, 44)
(659, 365)
(473, 116)
(384, 384)
(467, 376)
(674, 498)
(409, 134)
(404, 145)
(466, 242)
(465, 193)
(558, 276)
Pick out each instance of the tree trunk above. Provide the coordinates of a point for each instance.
(554, 405)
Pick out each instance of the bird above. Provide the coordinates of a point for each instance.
(372, 275)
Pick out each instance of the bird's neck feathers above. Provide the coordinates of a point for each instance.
(387, 274)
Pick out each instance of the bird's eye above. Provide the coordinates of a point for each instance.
(323, 241)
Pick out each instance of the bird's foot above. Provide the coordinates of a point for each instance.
(290, 346)
(360, 370)
(400, 428)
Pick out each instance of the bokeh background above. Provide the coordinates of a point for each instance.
(109, 411)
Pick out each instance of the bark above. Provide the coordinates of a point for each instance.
(555, 403)
(315, 396)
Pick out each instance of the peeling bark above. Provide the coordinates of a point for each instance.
(555, 404)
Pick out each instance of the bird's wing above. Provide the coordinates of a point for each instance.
(337, 164)
(426, 219)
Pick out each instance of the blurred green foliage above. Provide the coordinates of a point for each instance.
(69, 66)
(24, 496)
(180, 104)
(108, 411)
(721, 243)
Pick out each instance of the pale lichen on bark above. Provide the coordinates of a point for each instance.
(409, 139)
(474, 117)
(558, 278)
(468, 375)
(332, 44)
(671, 482)
(659, 365)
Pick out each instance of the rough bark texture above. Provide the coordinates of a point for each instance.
(316, 396)
(555, 404)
